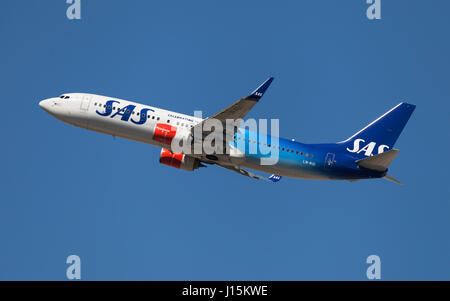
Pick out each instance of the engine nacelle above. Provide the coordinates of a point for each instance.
(177, 160)
(172, 136)
(164, 133)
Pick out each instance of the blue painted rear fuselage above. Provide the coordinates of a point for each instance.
(299, 160)
(326, 161)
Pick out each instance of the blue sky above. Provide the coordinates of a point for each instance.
(70, 191)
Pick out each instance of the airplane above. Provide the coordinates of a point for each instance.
(364, 155)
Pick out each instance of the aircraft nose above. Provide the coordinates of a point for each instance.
(45, 104)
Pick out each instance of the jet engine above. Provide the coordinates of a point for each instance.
(180, 161)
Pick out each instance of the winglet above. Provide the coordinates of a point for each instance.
(259, 92)
(275, 178)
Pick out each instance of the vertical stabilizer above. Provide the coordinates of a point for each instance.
(380, 135)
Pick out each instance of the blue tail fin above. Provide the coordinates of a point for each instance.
(381, 134)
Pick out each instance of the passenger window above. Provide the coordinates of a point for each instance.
(168, 121)
(157, 118)
(306, 155)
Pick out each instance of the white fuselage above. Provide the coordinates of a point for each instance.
(81, 110)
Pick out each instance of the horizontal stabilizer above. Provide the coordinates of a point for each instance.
(388, 177)
(379, 162)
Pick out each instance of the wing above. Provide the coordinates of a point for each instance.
(237, 110)
(272, 178)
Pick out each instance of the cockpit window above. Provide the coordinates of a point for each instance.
(67, 97)
(64, 97)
